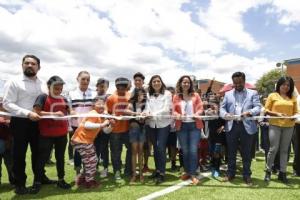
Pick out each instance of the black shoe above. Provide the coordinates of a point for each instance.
(282, 177)
(154, 175)
(62, 184)
(21, 190)
(35, 188)
(274, 170)
(159, 179)
(50, 163)
(228, 178)
(47, 181)
(173, 166)
(267, 176)
(248, 181)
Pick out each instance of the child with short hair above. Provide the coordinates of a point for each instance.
(52, 131)
(83, 142)
(216, 137)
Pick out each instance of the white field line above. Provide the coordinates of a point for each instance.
(171, 188)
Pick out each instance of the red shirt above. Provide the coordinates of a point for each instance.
(52, 127)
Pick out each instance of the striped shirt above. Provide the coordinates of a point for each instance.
(81, 103)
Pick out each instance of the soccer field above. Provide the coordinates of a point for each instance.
(209, 188)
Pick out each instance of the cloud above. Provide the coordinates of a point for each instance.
(118, 38)
(224, 19)
(288, 12)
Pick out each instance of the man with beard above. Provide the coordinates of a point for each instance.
(19, 96)
(240, 131)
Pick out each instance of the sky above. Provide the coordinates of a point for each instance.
(113, 38)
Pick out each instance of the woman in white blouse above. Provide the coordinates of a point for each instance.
(158, 109)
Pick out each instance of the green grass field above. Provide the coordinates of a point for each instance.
(208, 189)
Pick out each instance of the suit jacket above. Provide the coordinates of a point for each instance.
(251, 103)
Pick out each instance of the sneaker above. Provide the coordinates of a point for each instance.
(184, 177)
(173, 166)
(62, 184)
(104, 173)
(21, 190)
(267, 176)
(80, 180)
(228, 178)
(282, 177)
(154, 175)
(160, 178)
(35, 188)
(146, 169)
(248, 181)
(117, 175)
(215, 173)
(71, 162)
(92, 184)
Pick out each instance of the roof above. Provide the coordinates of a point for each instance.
(292, 61)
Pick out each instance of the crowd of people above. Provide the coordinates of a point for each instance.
(158, 118)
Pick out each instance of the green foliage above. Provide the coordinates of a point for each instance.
(266, 84)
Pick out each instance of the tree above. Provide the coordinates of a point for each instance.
(266, 84)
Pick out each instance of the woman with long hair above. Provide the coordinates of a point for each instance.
(158, 110)
(280, 103)
(187, 106)
(136, 131)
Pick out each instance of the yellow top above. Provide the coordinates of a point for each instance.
(276, 103)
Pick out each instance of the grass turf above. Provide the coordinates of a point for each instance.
(208, 189)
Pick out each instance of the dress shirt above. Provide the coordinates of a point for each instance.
(160, 107)
(20, 94)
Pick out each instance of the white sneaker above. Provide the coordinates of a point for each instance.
(198, 170)
(71, 162)
(118, 175)
(104, 173)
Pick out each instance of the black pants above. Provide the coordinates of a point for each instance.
(101, 143)
(45, 147)
(7, 157)
(24, 132)
(296, 145)
(238, 135)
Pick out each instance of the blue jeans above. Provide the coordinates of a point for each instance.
(189, 136)
(116, 143)
(159, 138)
(137, 135)
(238, 137)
